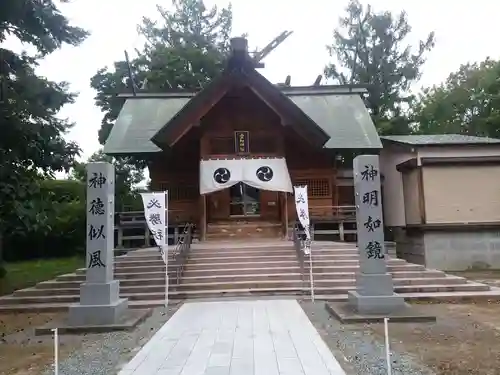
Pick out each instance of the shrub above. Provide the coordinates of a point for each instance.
(61, 207)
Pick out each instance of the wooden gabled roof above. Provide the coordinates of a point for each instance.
(240, 71)
(332, 117)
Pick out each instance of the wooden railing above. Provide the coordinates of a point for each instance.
(133, 217)
(180, 254)
(130, 220)
(332, 212)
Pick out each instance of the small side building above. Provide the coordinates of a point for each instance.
(442, 199)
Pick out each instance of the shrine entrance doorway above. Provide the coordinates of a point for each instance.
(244, 201)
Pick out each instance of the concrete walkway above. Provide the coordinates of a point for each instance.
(266, 337)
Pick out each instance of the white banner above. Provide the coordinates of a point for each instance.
(155, 207)
(266, 174)
(302, 207)
(219, 174)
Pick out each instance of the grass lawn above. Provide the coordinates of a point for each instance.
(28, 273)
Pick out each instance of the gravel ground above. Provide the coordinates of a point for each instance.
(465, 339)
(359, 351)
(106, 354)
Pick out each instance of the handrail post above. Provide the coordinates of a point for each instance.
(298, 245)
(181, 251)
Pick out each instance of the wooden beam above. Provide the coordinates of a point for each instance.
(288, 80)
(318, 80)
(272, 45)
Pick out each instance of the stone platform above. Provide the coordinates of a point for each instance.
(345, 314)
(232, 269)
(129, 320)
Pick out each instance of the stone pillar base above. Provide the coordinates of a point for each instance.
(100, 304)
(375, 304)
(99, 293)
(82, 315)
(379, 284)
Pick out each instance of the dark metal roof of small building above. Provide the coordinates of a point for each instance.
(338, 110)
(440, 139)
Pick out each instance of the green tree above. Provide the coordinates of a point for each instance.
(468, 102)
(32, 145)
(184, 50)
(62, 204)
(126, 177)
(370, 49)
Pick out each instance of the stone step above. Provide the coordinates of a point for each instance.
(240, 256)
(119, 275)
(268, 258)
(134, 272)
(141, 278)
(63, 306)
(354, 268)
(438, 297)
(402, 289)
(239, 270)
(212, 293)
(241, 246)
(319, 276)
(142, 257)
(272, 233)
(294, 268)
(322, 286)
(11, 300)
(264, 264)
(159, 268)
(74, 297)
(76, 283)
(297, 282)
(229, 282)
(144, 290)
(326, 254)
(216, 267)
(249, 270)
(141, 263)
(395, 275)
(265, 251)
(57, 292)
(252, 246)
(217, 259)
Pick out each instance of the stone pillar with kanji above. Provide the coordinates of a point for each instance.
(374, 292)
(100, 303)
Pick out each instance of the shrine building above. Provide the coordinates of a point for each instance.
(230, 154)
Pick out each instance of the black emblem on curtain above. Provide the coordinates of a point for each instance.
(265, 174)
(222, 175)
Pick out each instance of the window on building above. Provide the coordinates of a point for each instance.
(316, 187)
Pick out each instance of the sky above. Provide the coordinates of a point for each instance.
(465, 32)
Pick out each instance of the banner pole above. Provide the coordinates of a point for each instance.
(166, 281)
(311, 279)
(286, 216)
(165, 249)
